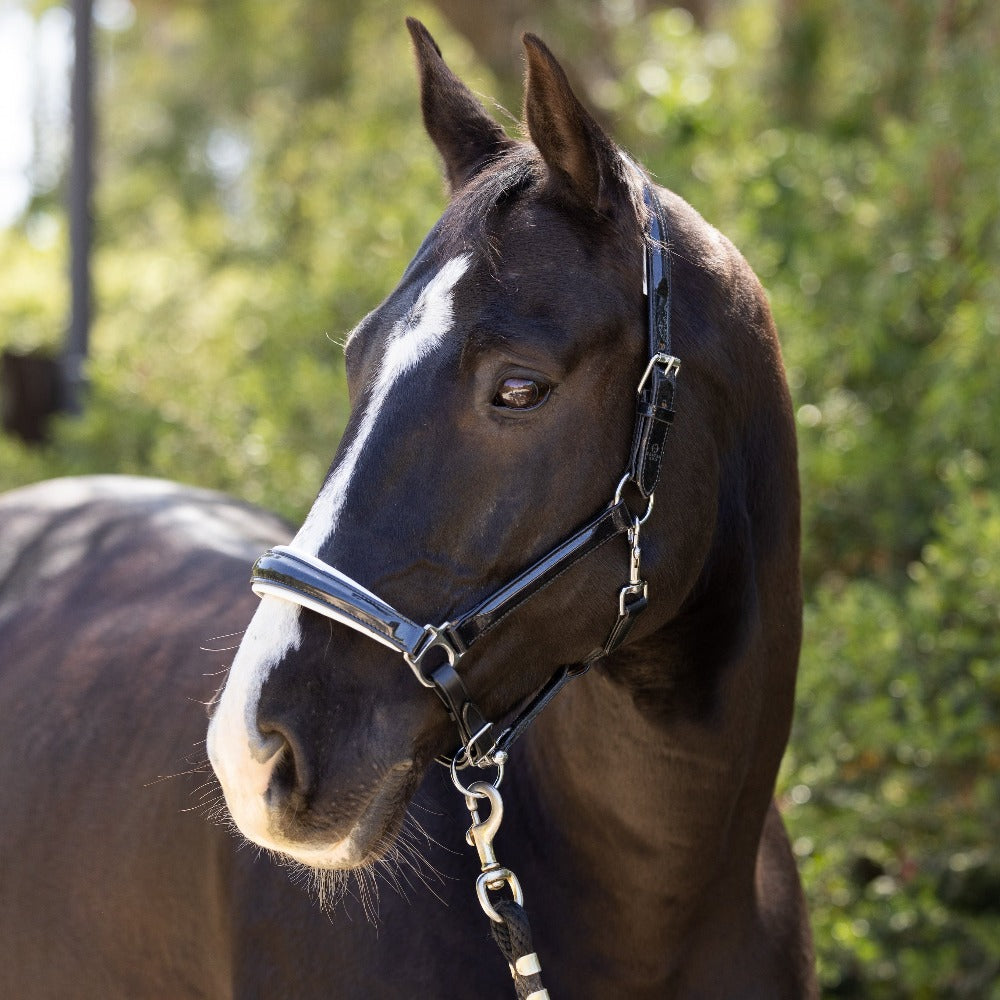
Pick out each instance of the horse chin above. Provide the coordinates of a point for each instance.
(341, 856)
(371, 837)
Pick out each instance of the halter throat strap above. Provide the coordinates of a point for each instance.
(658, 386)
(433, 652)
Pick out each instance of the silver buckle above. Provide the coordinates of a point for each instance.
(671, 366)
(434, 636)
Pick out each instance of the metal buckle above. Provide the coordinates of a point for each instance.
(434, 637)
(671, 366)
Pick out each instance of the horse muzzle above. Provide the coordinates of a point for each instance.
(333, 802)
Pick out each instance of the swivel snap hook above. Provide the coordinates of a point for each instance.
(633, 596)
(483, 831)
(635, 553)
(481, 835)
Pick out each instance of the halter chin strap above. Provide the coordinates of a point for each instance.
(309, 582)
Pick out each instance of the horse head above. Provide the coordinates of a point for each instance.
(493, 411)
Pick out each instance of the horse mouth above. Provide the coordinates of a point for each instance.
(313, 836)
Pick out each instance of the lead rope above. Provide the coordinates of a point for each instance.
(513, 937)
(509, 924)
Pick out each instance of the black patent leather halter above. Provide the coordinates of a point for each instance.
(304, 580)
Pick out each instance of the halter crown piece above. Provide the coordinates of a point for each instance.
(433, 652)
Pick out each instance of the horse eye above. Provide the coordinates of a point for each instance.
(520, 393)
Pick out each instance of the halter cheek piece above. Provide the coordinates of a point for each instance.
(311, 583)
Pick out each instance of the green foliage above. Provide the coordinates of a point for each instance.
(254, 205)
(868, 205)
(891, 784)
(226, 281)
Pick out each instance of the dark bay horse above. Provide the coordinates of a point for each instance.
(494, 411)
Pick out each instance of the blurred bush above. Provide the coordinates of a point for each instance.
(254, 202)
(264, 179)
(849, 150)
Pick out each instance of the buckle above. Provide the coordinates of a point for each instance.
(671, 367)
(434, 637)
(654, 414)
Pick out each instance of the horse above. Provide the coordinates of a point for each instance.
(570, 342)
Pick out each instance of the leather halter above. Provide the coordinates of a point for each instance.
(309, 582)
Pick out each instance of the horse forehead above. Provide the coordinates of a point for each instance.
(416, 334)
(555, 261)
(534, 228)
(426, 287)
(533, 255)
(425, 323)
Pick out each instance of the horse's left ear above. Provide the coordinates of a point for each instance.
(466, 136)
(583, 161)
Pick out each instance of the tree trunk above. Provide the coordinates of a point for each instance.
(80, 220)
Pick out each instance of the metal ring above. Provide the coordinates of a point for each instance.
(493, 880)
(458, 784)
(639, 521)
(627, 478)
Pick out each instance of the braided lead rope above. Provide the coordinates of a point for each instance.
(508, 921)
(513, 937)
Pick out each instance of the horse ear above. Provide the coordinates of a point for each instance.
(582, 160)
(465, 135)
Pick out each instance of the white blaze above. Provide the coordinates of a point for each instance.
(412, 339)
(242, 758)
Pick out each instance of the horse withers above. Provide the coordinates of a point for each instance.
(494, 479)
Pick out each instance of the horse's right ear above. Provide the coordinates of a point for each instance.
(584, 164)
(465, 135)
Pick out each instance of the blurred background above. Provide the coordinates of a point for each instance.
(262, 178)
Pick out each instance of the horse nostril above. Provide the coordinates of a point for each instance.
(269, 745)
(291, 777)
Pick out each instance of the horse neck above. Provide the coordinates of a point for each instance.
(679, 805)
(662, 796)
